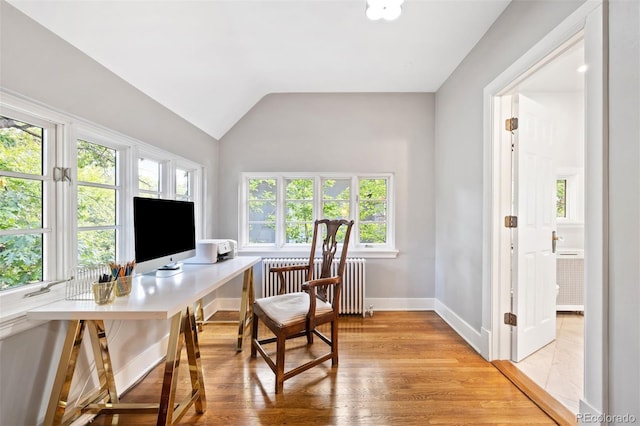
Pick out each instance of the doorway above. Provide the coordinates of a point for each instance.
(546, 194)
(559, 88)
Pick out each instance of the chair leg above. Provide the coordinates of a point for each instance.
(334, 343)
(254, 335)
(309, 334)
(280, 362)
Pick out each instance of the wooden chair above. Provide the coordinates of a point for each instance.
(292, 315)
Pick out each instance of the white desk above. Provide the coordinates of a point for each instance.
(150, 298)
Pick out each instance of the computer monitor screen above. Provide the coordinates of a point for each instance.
(164, 232)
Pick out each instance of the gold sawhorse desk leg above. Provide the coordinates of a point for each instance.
(105, 399)
(246, 308)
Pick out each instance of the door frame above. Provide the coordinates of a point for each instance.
(496, 253)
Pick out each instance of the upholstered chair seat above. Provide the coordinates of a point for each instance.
(290, 308)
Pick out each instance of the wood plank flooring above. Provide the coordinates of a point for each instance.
(561, 414)
(396, 368)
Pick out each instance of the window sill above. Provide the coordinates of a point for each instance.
(365, 253)
(13, 319)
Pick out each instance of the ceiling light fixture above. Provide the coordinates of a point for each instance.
(388, 10)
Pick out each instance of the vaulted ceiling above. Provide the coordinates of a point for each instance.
(210, 61)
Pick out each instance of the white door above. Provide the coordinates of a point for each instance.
(534, 259)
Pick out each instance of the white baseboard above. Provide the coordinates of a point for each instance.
(379, 304)
(476, 339)
(222, 304)
(588, 415)
(398, 304)
(485, 342)
(480, 341)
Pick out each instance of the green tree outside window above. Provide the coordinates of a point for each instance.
(21, 203)
(97, 203)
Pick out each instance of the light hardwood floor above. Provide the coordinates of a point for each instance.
(396, 368)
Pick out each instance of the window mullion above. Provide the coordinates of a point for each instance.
(59, 242)
(243, 235)
(355, 209)
(127, 184)
(281, 209)
(167, 173)
(317, 198)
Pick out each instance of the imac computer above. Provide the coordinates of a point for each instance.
(164, 234)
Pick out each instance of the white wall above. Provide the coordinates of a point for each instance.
(347, 133)
(38, 65)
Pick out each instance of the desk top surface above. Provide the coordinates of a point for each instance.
(151, 297)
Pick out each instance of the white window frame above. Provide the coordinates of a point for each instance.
(281, 248)
(123, 164)
(574, 199)
(61, 252)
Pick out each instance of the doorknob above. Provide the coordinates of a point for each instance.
(554, 238)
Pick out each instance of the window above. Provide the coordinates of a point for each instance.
(336, 198)
(261, 223)
(184, 187)
(98, 199)
(373, 204)
(26, 201)
(65, 191)
(278, 210)
(561, 198)
(570, 196)
(299, 210)
(149, 173)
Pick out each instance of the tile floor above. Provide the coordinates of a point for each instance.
(558, 367)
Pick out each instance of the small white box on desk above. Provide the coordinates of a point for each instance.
(213, 251)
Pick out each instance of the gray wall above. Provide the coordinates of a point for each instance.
(459, 150)
(459, 187)
(347, 133)
(624, 208)
(37, 64)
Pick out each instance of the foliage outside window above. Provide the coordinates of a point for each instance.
(262, 211)
(373, 202)
(97, 203)
(280, 210)
(561, 198)
(299, 211)
(22, 198)
(183, 185)
(149, 173)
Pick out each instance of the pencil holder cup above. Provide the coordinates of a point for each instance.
(123, 285)
(104, 293)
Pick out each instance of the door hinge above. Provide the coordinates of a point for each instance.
(511, 221)
(510, 319)
(511, 124)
